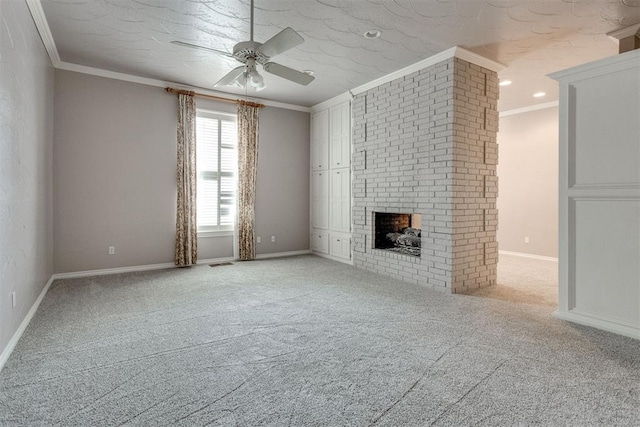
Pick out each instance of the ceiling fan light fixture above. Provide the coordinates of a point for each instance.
(256, 80)
(252, 77)
(372, 34)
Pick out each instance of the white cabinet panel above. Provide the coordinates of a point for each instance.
(340, 151)
(607, 277)
(340, 123)
(606, 151)
(320, 242)
(339, 135)
(320, 199)
(340, 246)
(340, 201)
(320, 141)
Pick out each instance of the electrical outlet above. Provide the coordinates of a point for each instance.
(273, 239)
(112, 250)
(13, 299)
(526, 239)
(258, 239)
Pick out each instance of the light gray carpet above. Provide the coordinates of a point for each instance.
(306, 341)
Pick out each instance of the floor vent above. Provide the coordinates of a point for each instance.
(220, 264)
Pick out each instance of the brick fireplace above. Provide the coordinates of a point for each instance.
(425, 144)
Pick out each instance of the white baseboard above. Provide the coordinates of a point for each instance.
(106, 271)
(4, 356)
(282, 254)
(523, 255)
(215, 260)
(613, 327)
(132, 269)
(334, 258)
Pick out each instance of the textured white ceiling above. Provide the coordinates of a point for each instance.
(532, 38)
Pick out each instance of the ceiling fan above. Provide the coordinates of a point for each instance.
(251, 53)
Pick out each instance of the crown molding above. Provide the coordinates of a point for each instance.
(432, 60)
(530, 108)
(623, 33)
(37, 13)
(618, 62)
(346, 96)
(454, 52)
(162, 83)
(100, 72)
(477, 59)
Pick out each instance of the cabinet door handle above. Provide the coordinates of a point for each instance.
(337, 240)
(338, 162)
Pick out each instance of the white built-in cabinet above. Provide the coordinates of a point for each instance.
(320, 199)
(331, 181)
(339, 136)
(340, 200)
(599, 194)
(320, 141)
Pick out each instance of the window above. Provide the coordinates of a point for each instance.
(216, 163)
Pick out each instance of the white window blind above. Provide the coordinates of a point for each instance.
(216, 158)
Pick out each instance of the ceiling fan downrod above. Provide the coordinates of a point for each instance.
(251, 31)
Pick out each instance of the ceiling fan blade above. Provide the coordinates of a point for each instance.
(288, 73)
(284, 40)
(230, 77)
(207, 49)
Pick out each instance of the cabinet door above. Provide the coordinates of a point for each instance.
(320, 242)
(340, 246)
(339, 135)
(320, 140)
(340, 209)
(320, 199)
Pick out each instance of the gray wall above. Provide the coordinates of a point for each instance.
(114, 175)
(528, 173)
(282, 191)
(26, 131)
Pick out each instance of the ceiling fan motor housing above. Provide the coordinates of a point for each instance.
(249, 49)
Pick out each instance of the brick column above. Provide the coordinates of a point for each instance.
(475, 184)
(425, 144)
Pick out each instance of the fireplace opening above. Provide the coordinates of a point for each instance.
(398, 232)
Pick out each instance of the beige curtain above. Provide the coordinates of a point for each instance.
(247, 169)
(186, 228)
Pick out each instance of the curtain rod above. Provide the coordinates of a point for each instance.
(219, 98)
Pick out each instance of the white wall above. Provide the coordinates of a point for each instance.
(26, 131)
(528, 190)
(115, 175)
